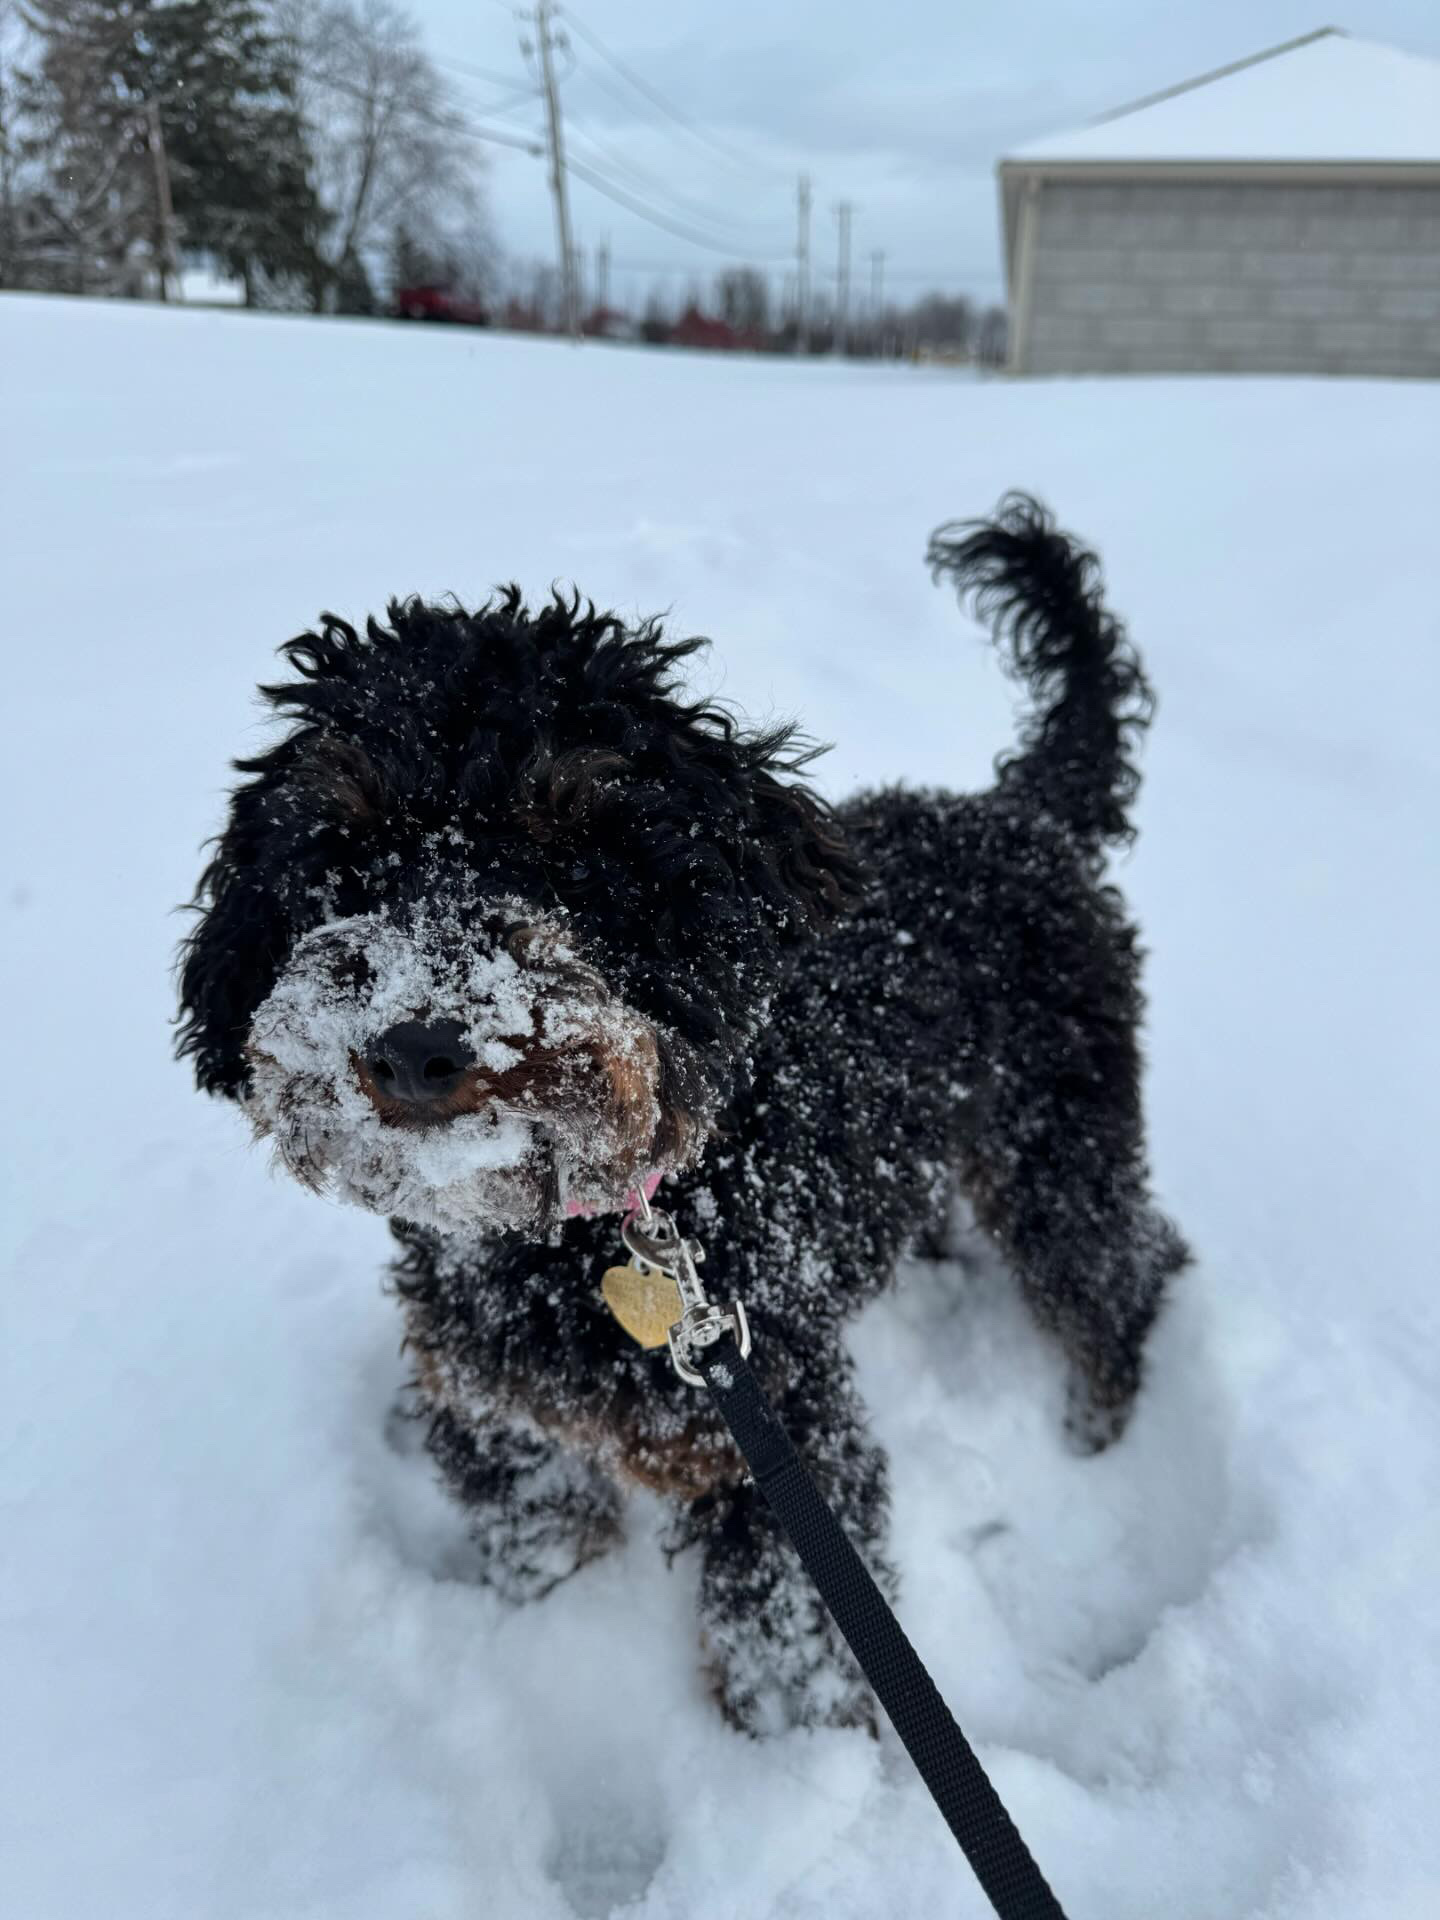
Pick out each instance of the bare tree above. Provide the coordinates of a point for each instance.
(658, 317)
(744, 299)
(992, 340)
(388, 143)
(456, 254)
(543, 294)
(943, 320)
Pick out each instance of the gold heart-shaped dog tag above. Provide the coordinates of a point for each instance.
(647, 1305)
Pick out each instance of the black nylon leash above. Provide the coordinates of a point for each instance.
(709, 1345)
(946, 1761)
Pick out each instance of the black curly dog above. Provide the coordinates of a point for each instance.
(819, 1024)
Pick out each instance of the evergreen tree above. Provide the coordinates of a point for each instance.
(223, 88)
(238, 162)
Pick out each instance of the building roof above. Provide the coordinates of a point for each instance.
(1324, 98)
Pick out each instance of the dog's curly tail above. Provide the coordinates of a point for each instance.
(1040, 593)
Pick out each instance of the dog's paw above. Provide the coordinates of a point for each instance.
(1091, 1424)
(763, 1699)
(526, 1557)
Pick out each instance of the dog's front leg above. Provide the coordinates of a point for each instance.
(537, 1512)
(774, 1657)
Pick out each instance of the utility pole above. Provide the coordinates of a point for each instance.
(164, 206)
(843, 213)
(877, 295)
(545, 43)
(602, 275)
(802, 265)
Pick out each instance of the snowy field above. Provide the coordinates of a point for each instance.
(242, 1672)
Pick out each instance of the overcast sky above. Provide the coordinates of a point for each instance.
(900, 108)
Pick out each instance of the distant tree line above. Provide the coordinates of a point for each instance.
(740, 311)
(307, 147)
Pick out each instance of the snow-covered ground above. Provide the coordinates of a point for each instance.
(243, 1672)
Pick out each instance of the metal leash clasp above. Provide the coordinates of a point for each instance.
(653, 1240)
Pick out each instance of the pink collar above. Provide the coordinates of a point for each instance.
(630, 1204)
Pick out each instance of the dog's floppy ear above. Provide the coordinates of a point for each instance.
(816, 872)
(228, 965)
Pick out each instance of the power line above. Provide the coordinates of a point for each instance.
(445, 122)
(469, 68)
(492, 134)
(597, 77)
(663, 220)
(667, 107)
(679, 218)
(594, 77)
(679, 204)
(517, 91)
(507, 102)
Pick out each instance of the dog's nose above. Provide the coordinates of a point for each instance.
(419, 1060)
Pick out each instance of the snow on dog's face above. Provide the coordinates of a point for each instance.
(462, 1069)
(490, 929)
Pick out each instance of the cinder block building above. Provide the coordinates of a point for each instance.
(1281, 215)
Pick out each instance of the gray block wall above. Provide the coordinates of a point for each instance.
(1242, 277)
